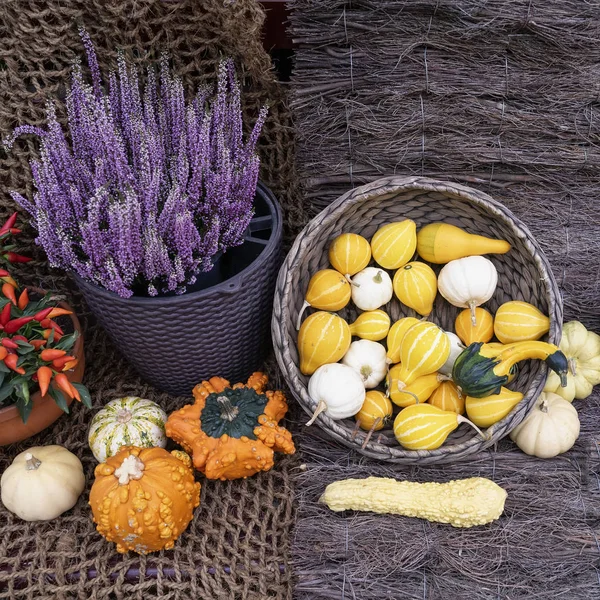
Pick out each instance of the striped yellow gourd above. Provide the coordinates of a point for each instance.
(349, 253)
(417, 392)
(447, 397)
(372, 325)
(518, 321)
(323, 338)
(424, 349)
(415, 285)
(483, 331)
(394, 244)
(425, 427)
(491, 409)
(375, 411)
(327, 290)
(396, 335)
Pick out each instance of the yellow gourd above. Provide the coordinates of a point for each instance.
(460, 503)
(327, 290)
(323, 338)
(415, 285)
(394, 244)
(396, 335)
(426, 427)
(417, 392)
(375, 411)
(349, 253)
(372, 325)
(424, 349)
(517, 321)
(482, 331)
(440, 243)
(447, 397)
(486, 411)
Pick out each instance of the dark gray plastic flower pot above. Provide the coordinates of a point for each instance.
(175, 342)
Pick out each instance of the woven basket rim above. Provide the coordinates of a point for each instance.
(387, 186)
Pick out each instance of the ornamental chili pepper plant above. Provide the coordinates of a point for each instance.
(144, 187)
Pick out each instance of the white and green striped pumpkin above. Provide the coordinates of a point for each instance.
(129, 421)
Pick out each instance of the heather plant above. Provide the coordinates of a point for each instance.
(143, 189)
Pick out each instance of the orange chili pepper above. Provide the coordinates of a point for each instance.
(60, 363)
(59, 312)
(9, 291)
(37, 344)
(11, 362)
(44, 377)
(3, 352)
(51, 354)
(49, 323)
(70, 365)
(23, 299)
(63, 383)
(8, 279)
(75, 392)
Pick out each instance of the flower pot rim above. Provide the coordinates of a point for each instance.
(230, 285)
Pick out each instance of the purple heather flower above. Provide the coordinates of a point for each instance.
(150, 187)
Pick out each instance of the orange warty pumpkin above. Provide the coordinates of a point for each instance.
(232, 431)
(144, 498)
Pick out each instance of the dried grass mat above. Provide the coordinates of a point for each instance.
(501, 95)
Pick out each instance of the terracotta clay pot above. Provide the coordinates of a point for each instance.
(44, 411)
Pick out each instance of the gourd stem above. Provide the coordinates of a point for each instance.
(124, 416)
(370, 432)
(355, 430)
(322, 406)
(442, 377)
(544, 406)
(573, 366)
(131, 468)
(349, 279)
(472, 307)
(31, 462)
(365, 371)
(400, 385)
(299, 320)
(378, 278)
(462, 419)
(230, 412)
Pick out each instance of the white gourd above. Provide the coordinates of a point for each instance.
(456, 348)
(371, 288)
(337, 390)
(551, 428)
(468, 282)
(369, 359)
(42, 483)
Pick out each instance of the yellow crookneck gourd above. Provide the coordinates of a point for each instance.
(394, 244)
(482, 331)
(447, 397)
(396, 335)
(426, 427)
(484, 412)
(439, 243)
(415, 285)
(323, 338)
(349, 253)
(372, 325)
(417, 392)
(460, 503)
(327, 290)
(517, 321)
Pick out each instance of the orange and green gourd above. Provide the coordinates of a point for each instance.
(232, 432)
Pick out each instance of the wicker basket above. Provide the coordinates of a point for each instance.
(523, 274)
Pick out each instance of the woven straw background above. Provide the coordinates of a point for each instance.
(501, 95)
(238, 543)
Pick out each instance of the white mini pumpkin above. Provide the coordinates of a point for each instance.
(369, 359)
(456, 349)
(42, 483)
(129, 421)
(371, 288)
(551, 428)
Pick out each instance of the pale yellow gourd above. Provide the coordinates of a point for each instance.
(375, 411)
(323, 338)
(460, 503)
(440, 243)
(349, 253)
(415, 285)
(426, 427)
(482, 331)
(424, 349)
(486, 411)
(394, 244)
(396, 335)
(517, 321)
(417, 392)
(371, 325)
(447, 397)
(327, 290)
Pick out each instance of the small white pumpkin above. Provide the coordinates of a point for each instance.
(456, 348)
(551, 428)
(468, 282)
(129, 421)
(42, 483)
(371, 288)
(338, 391)
(369, 359)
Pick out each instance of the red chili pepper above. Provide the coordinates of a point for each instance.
(11, 362)
(23, 299)
(9, 291)
(16, 324)
(10, 222)
(37, 344)
(8, 343)
(3, 353)
(4, 273)
(20, 338)
(63, 383)
(42, 314)
(59, 312)
(5, 314)
(51, 354)
(13, 257)
(60, 363)
(44, 375)
(15, 230)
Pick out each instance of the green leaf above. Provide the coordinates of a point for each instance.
(3, 367)
(24, 347)
(50, 339)
(86, 399)
(24, 407)
(59, 398)
(6, 390)
(67, 341)
(2, 375)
